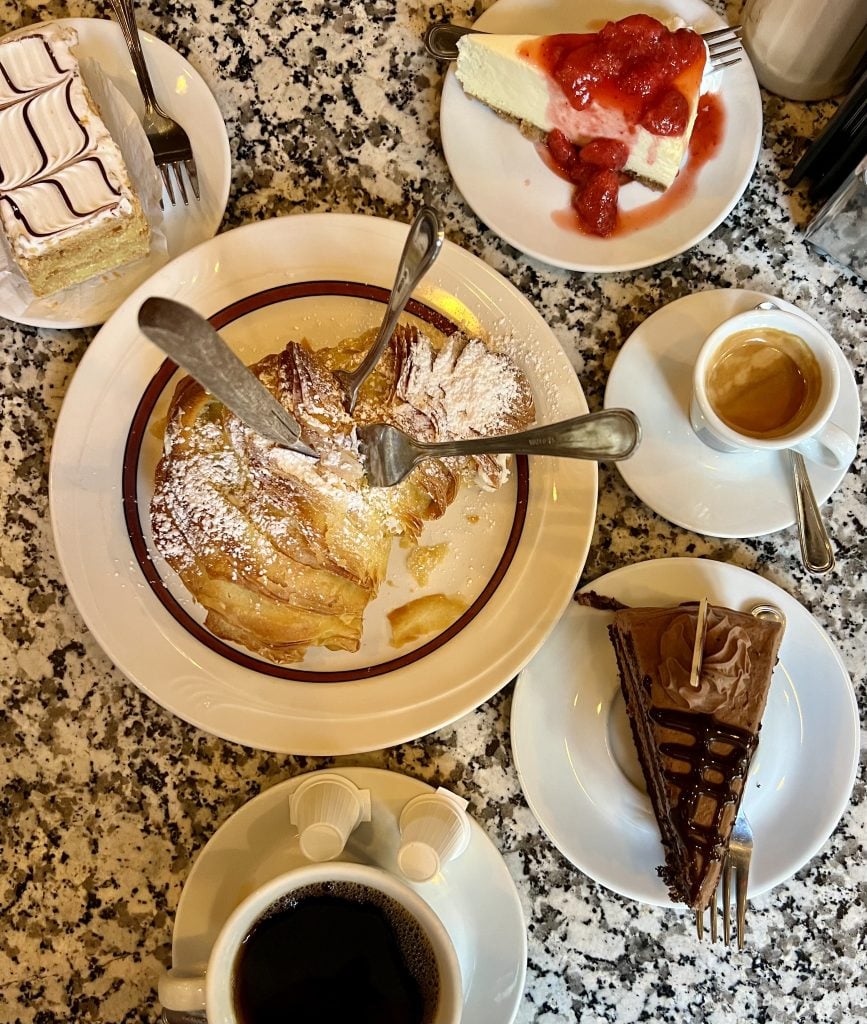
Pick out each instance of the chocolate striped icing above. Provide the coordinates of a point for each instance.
(59, 167)
(48, 131)
(28, 65)
(76, 192)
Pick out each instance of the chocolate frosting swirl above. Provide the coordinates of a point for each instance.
(725, 666)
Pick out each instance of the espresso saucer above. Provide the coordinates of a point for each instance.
(713, 493)
(474, 895)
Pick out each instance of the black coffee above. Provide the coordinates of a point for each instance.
(336, 952)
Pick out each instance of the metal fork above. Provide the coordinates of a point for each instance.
(169, 142)
(421, 248)
(737, 859)
(723, 44)
(607, 436)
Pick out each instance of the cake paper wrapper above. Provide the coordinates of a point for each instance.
(16, 295)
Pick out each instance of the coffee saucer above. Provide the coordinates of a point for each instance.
(474, 895)
(713, 493)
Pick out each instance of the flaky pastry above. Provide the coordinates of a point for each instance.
(285, 552)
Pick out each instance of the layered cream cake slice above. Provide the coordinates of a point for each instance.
(634, 83)
(67, 205)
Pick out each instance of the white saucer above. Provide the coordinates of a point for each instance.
(184, 95)
(474, 895)
(577, 762)
(713, 493)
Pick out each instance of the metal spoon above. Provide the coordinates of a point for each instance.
(441, 40)
(607, 436)
(422, 247)
(186, 337)
(769, 613)
(183, 1017)
(816, 551)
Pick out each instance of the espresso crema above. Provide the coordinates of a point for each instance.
(763, 382)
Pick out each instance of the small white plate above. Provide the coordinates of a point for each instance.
(505, 181)
(324, 277)
(474, 895)
(675, 473)
(578, 766)
(184, 95)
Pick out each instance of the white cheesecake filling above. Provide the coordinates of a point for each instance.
(490, 68)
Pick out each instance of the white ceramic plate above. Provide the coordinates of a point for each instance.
(578, 766)
(309, 275)
(474, 895)
(675, 473)
(183, 94)
(504, 180)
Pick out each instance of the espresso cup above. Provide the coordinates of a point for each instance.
(323, 929)
(768, 380)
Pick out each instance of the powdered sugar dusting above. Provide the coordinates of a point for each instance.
(469, 390)
(284, 551)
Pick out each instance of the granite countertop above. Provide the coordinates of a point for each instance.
(107, 798)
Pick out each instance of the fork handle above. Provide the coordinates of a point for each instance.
(421, 248)
(125, 14)
(441, 40)
(608, 436)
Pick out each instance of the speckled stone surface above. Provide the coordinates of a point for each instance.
(106, 798)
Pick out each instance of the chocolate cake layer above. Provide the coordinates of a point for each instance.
(694, 743)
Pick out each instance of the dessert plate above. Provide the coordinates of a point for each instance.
(675, 473)
(503, 178)
(186, 97)
(474, 895)
(578, 766)
(324, 277)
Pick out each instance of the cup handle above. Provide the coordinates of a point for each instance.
(831, 446)
(182, 993)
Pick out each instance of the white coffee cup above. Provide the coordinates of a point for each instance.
(213, 993)
(815, 437)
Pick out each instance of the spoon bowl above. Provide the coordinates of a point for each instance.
(769, 613)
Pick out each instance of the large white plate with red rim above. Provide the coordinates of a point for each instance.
(579, 770)
(673, 471)
(278, 279)
(474, 895)
(504, 180)
(183, 93)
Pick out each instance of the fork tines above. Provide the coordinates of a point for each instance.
(737, 860)
(740, 908)
(724, 46)
(192, 174)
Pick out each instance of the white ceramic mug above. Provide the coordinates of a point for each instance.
(214, 992)
(816, 438)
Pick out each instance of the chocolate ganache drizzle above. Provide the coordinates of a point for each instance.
(717, 758)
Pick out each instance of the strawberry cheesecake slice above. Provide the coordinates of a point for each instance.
(632, 89)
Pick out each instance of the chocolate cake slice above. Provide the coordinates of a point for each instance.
(695, 738)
